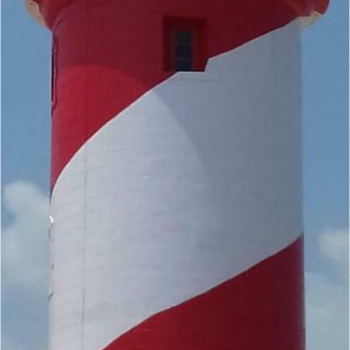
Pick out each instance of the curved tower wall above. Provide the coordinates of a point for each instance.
(176, 196)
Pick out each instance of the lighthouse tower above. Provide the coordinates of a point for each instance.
(176, 173)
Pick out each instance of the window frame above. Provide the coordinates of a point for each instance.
(197, 27)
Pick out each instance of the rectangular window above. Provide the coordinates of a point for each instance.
(184, 45)
(184, 50)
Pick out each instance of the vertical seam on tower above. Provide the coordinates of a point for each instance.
(85, 179)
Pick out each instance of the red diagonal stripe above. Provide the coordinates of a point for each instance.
(262, 309)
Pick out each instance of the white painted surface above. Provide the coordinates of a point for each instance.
(196, 182)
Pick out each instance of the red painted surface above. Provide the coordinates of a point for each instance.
(259, 310)
(112, 53)
(51, 8)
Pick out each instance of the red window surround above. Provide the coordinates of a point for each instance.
(185, 44)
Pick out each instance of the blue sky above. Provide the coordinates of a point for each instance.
(25, 174)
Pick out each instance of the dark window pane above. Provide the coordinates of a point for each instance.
(183, 65)
(183, 37)
(184, 52)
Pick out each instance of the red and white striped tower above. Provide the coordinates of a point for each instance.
(176, 173)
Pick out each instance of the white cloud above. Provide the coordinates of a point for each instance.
(334, 244)
(24, 241)
(24, 268)
(327, 295)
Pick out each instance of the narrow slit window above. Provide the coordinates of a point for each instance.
(54, 74)
(184, 45)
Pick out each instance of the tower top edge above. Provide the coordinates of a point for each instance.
(45, 11)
